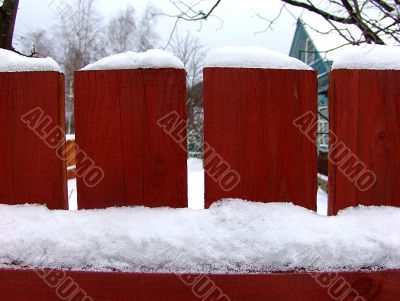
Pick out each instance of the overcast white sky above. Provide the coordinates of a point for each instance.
(238, 29)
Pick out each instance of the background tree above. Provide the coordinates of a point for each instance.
(192, 53)
(356, 21)
(78, 41)
(38, 43)
(147, 37)
(121, 30)
(125, 31)
(8, 15)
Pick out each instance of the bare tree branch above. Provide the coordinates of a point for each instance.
(356, 21)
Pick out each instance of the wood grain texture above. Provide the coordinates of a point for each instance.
(116, 114)
(249, 116)
(27, 285)
(365, 116)
(31, 172)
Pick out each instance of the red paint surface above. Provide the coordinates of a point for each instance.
(365, 115)
(25, 285)
(116, 114)
(249, 116)
(30, 171)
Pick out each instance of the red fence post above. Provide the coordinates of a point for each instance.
(117, 124)
(249, 130)
(364, 154)
(32, 123)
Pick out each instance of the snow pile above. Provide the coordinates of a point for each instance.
(154, 58)
(232, 237)
(253, 57)
(376, 57)
(14, 62)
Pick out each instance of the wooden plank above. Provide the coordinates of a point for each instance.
(28, 285)
(116, 124)
(249, 116)
(364, 115)
(31, 172)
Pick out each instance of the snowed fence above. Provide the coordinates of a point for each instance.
(260, 135)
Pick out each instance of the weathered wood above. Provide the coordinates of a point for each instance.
(27, 285)
(31, 172)
(249, 116)
(364, 115)
(116, 124)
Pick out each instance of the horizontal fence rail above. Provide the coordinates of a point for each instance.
(99, 286)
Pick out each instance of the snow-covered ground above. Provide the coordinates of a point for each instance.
(196, 189)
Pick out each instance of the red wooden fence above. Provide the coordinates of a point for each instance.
(365, 138)
(30, 171)
(116, 122)
(248, 122)
(250, 137)
(371, 286)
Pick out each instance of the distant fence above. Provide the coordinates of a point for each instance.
(260, 137)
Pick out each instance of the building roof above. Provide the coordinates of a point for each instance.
(327, 41)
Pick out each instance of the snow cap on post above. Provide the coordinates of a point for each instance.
(13, 62)
(372, 57)
(151, 59)
(253, 57)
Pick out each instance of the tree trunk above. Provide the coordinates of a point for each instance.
(8, 14)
